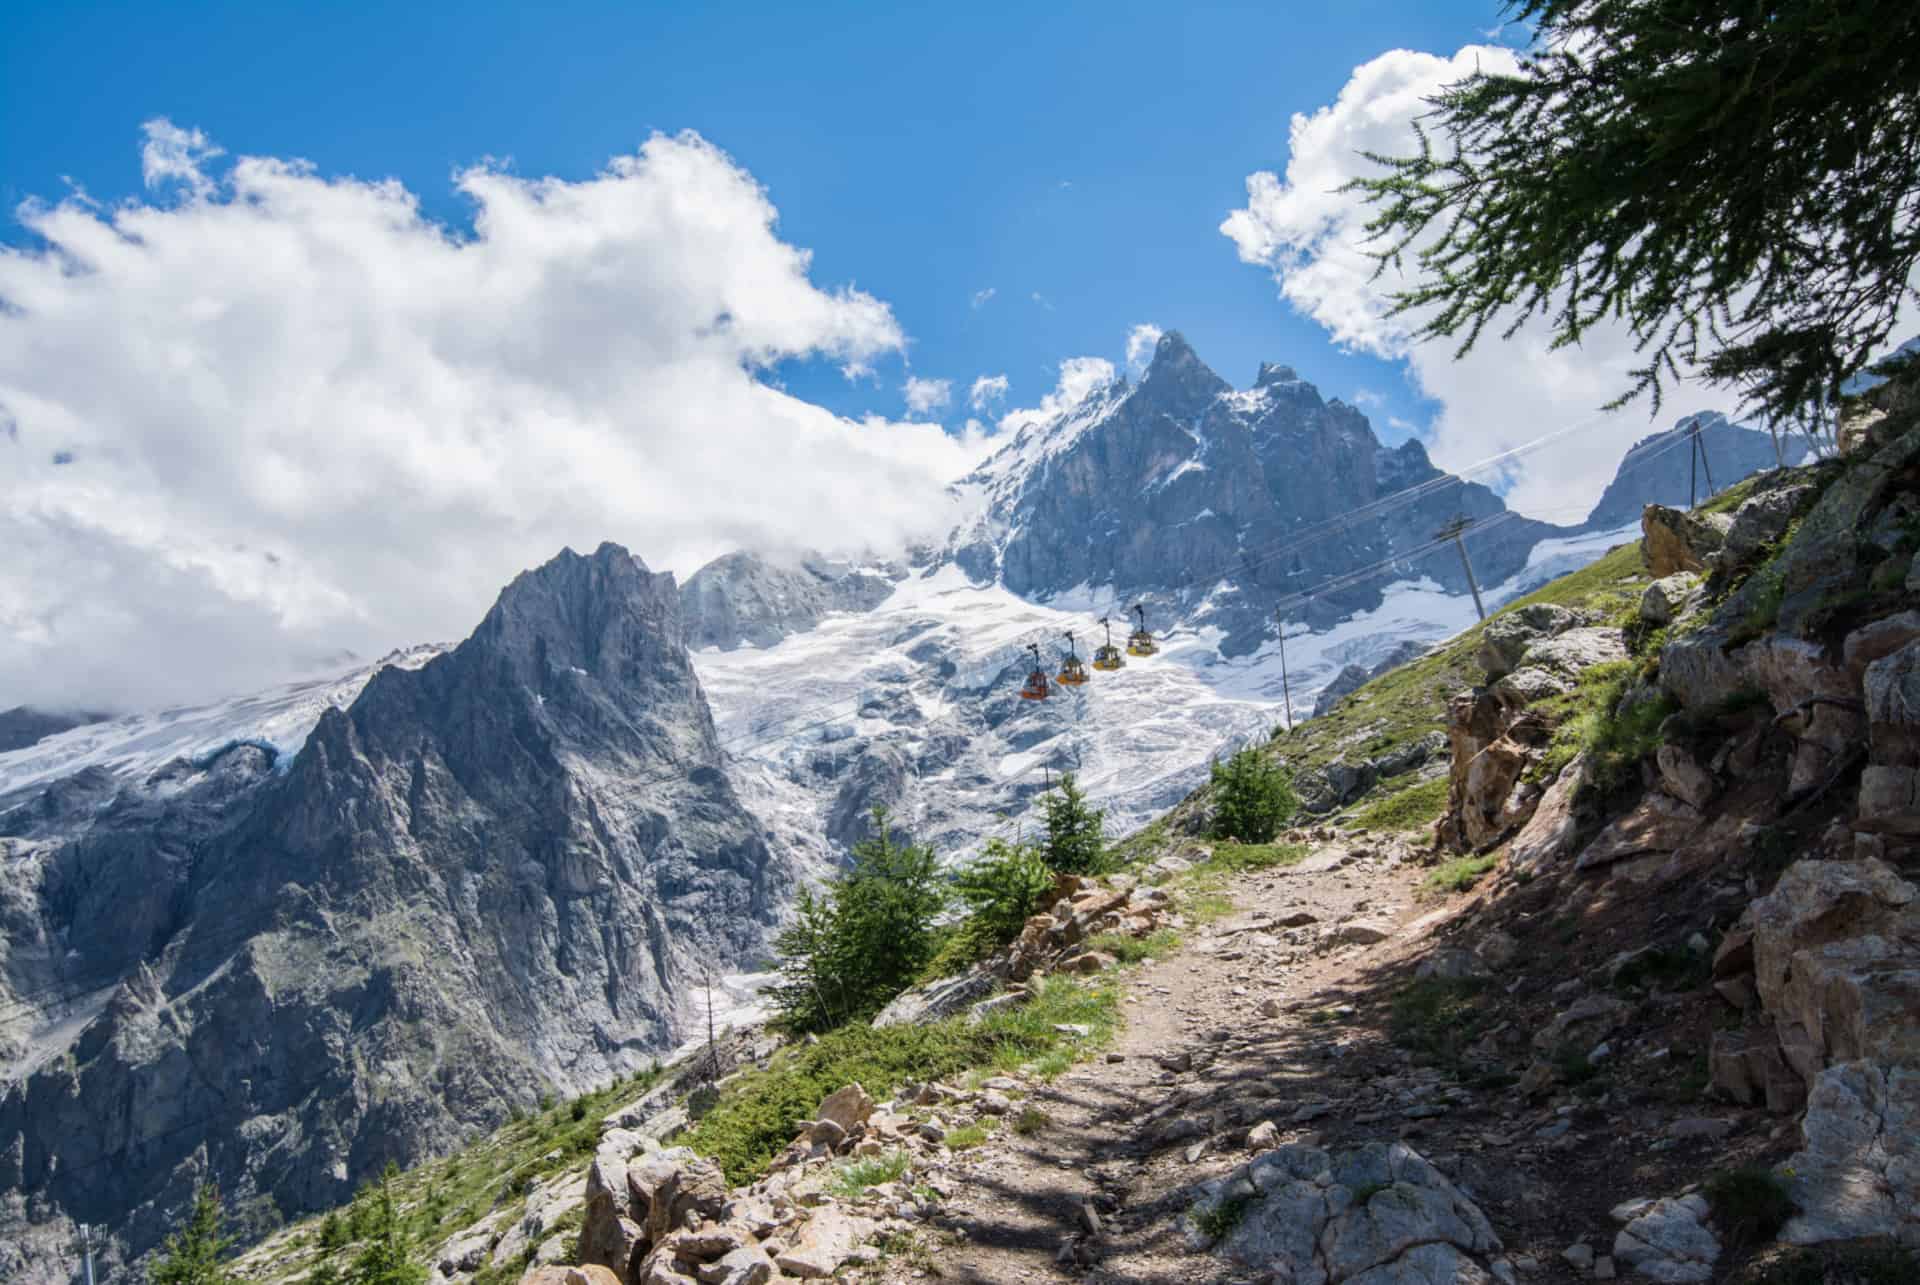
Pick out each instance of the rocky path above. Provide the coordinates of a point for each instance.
(1240, 1027)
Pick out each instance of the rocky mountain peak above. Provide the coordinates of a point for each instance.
(1273, 373)
(591, 612)
(1176, 380)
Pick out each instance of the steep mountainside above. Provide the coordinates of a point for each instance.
(500, 871)
(1658, 468)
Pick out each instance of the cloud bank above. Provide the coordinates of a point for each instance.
(1311, 235)
(264, 415)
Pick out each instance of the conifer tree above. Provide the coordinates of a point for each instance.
(865, 937)
(1076, 834)
(1252, 798)
(192, 1255)
(383, 1259)
(1739, 180)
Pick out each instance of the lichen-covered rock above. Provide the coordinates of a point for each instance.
(1667, 597)
(1760, 520)
(1576, 650)
(1507, 636)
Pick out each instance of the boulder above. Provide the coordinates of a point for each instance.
(1813, 697)
(1669, 1240)
(1747, 1067)
(1658, 825)
(1666, 598)
(1549, 833)
(668, 1185)
(592, 1274)
(1891, 685)
(1760, 520)
(1859, 1173)
(1350, 679)
(1836, 949)
(1379, 1214)
(1889, 800)
(1673, 540)
(1877, 639)
(828, 1240)
(1505, 638)
(1697, 671)
(939, 999)
(1683, 777)
(1529, 685)
(846, 1106)
(1576, 650)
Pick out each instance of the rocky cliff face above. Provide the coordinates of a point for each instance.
(500, 871)
(744, 598)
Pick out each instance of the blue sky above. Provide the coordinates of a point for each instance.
(1075, 159)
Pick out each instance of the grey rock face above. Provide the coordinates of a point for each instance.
(744, 598)
(497, 872)
(1164, 489)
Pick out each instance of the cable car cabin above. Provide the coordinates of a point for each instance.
(1036, 688)
(1072, 672)
(1140, 642)
(1107, 656)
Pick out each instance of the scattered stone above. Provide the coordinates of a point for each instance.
(1263, 1135)
(1579, 1255)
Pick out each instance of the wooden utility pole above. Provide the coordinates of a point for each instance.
(1453, 531)
(1286, 686)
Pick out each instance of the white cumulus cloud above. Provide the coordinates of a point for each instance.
(1079, 378)
(925, 396)
(1311, 235)
(267, 415)
(981, 297)
(987, 390)
(1140, 342)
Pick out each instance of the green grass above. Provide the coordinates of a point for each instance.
(1437, 1016)
(1030, 1121)
(967, 1136)
(1237, 858)
(759, 1112)
(1457, 875)
(1132, 950)
(1589, 720)
(1412, 808)
(852, 1179)
(1217, 1220)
